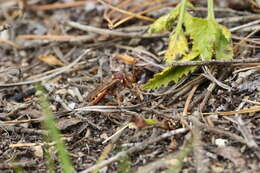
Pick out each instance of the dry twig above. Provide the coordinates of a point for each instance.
(108, 32)
(136, 148)
(60, 71)
(216, 62)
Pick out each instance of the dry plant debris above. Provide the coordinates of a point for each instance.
(93, 58)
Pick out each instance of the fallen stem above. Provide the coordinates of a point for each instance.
(215, 62)
(109, 32)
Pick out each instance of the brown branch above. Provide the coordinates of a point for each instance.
(57, 5)
(126, 12)
(216, 62)
(109, 32)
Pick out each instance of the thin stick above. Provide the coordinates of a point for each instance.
(58, 5)
(44, 39)
(242, 111)
(10, 43)
(244, 26)
(188, 100)
(246, 69)
(136, 148)
(216, 62)
(48, 37)
(126, 12)
(108, 32)
(115, 134)
(60, 71)
(143, 12)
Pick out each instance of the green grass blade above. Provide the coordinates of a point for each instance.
(49, 124)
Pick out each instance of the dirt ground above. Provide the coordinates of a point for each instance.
(93, 60)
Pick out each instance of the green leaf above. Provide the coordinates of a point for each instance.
(166, 22)
(225, 32)
(169, 74)
(190, 56)
(178, 46)
(208, 39)
(204, 34)
(224, 48)
(159, 25)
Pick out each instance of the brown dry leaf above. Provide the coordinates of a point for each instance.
(50, 60)
(127, 59)
(252, 109)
